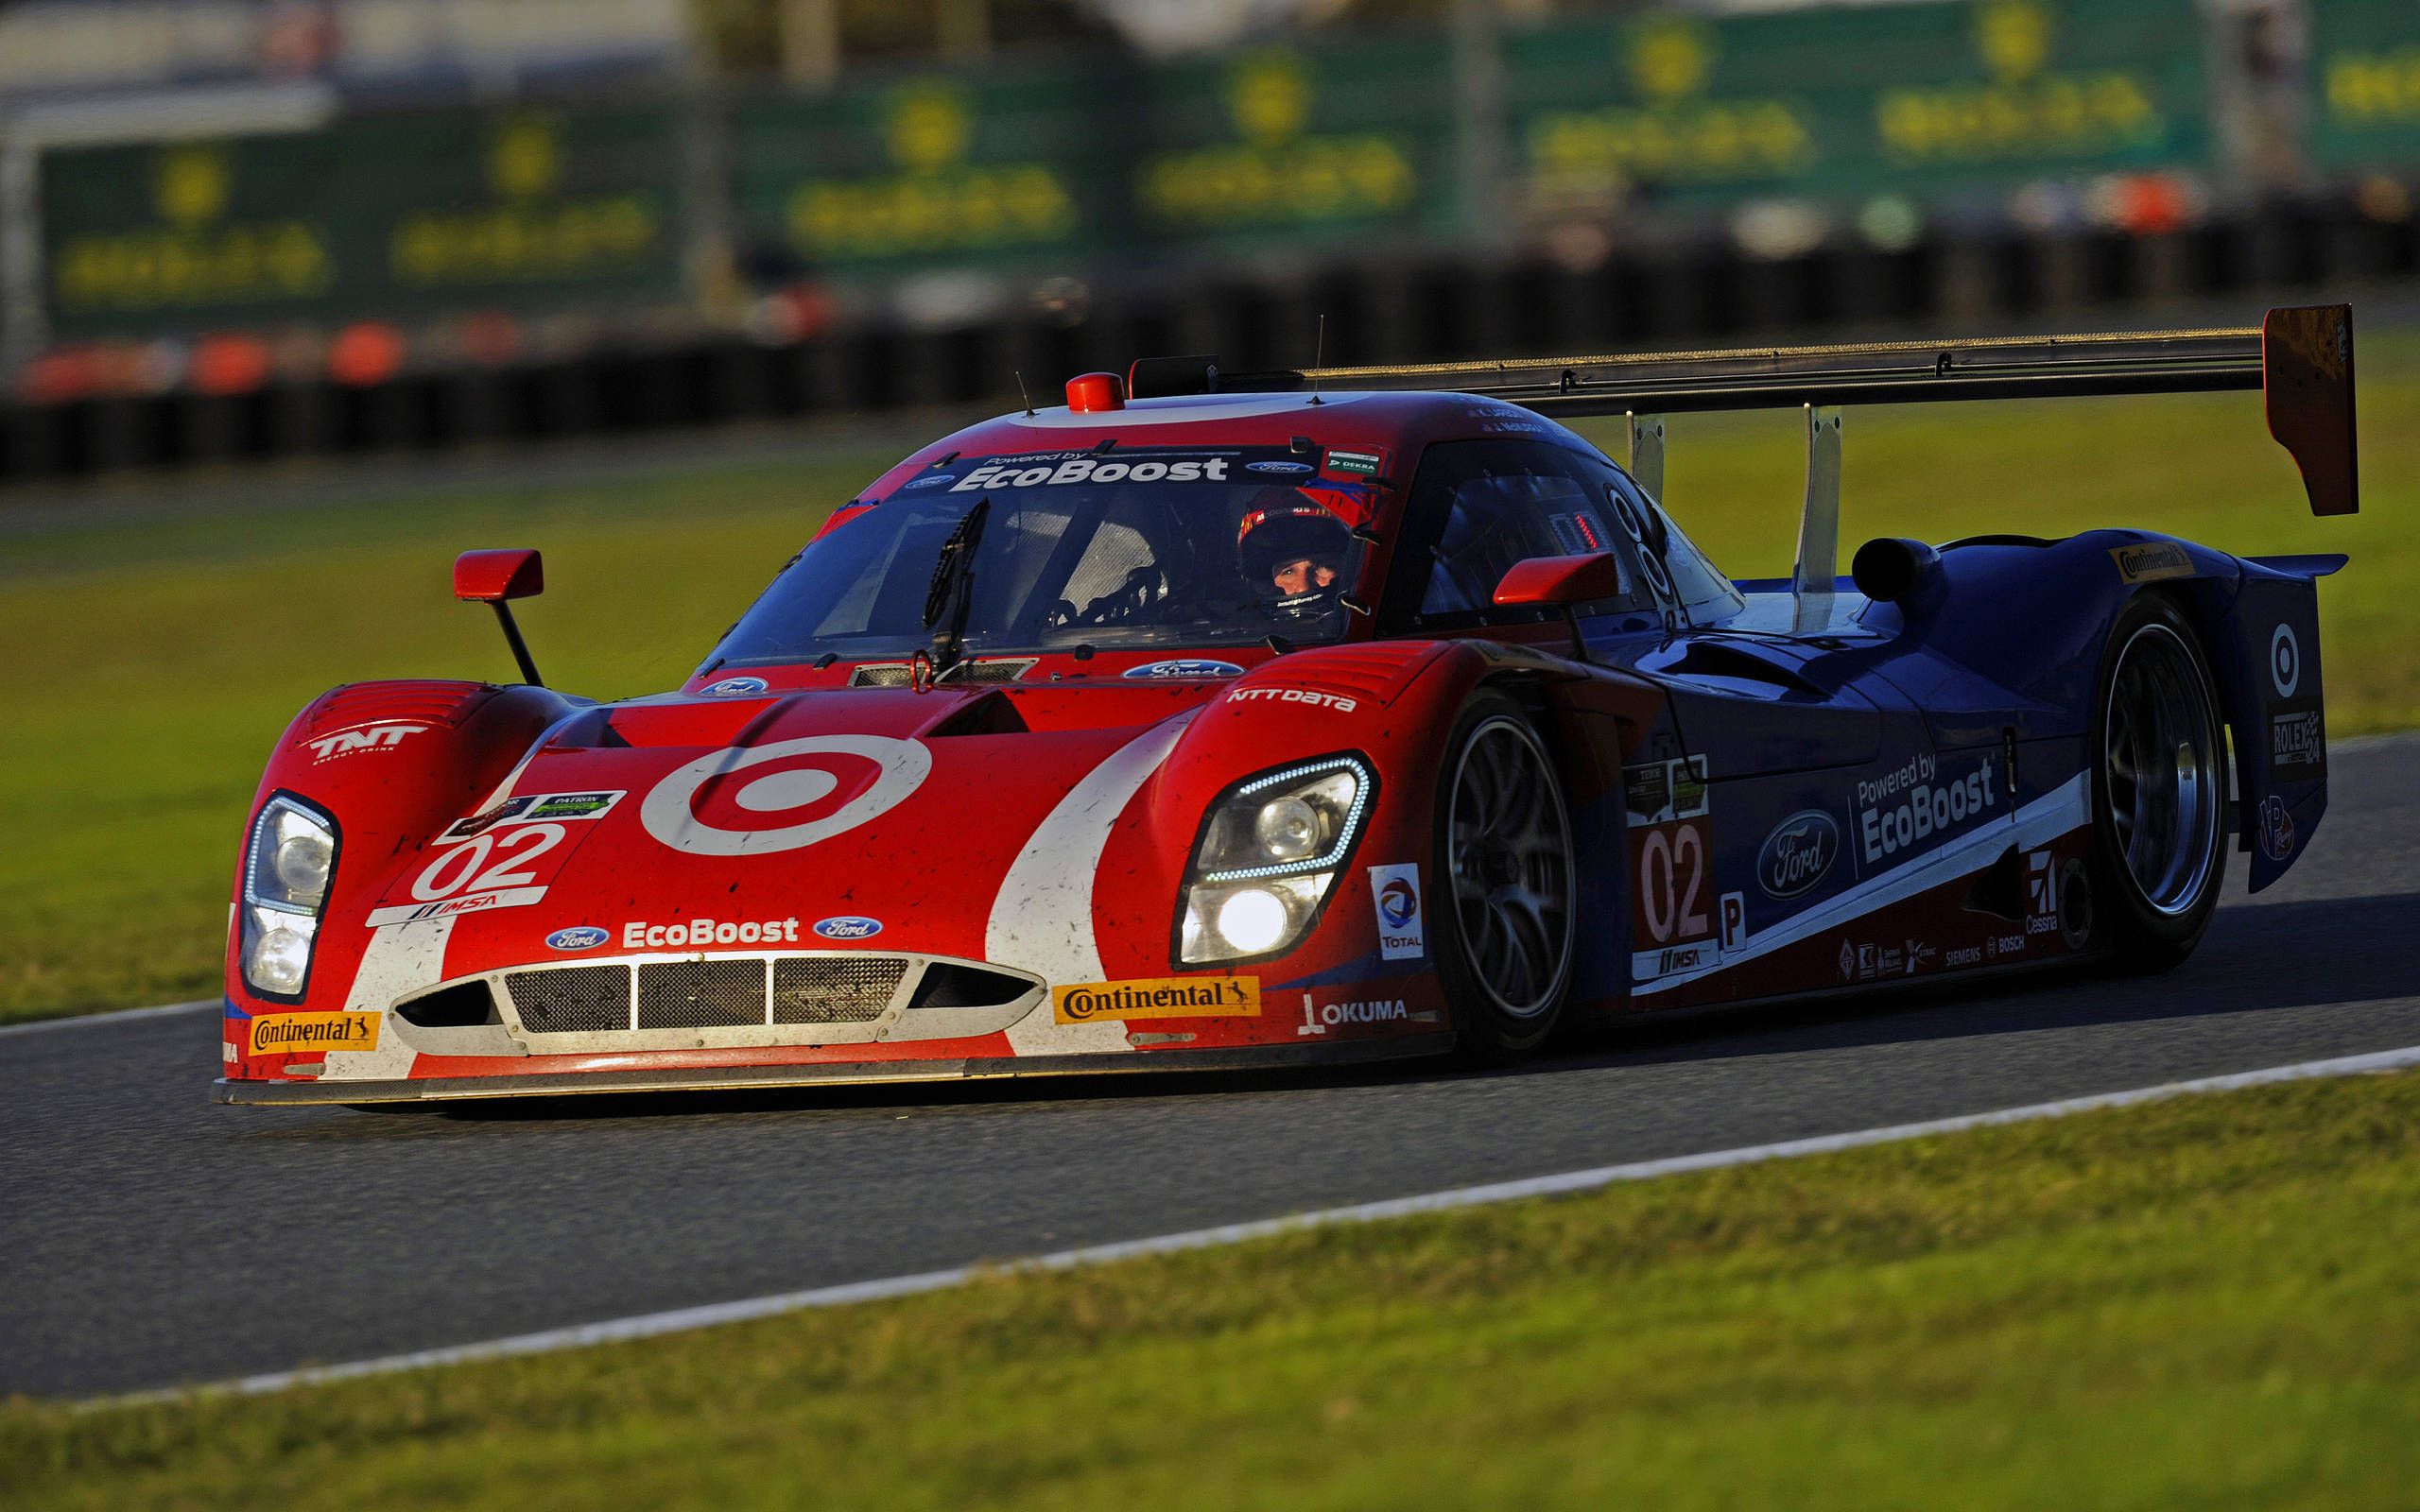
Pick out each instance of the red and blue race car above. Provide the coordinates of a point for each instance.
(1218, 720)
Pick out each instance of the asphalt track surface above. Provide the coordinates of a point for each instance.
(148, 1238)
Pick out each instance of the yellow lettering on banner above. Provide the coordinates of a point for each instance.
(1308, 180)
(953, 210)
(178, 269)
(506, 243)
(2375, 89)
(311, 1034)
(1580, 151)
(1169, 997)
(2062, 114)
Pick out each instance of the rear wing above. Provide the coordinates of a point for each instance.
(2300, 358)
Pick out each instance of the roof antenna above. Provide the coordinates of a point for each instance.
(1319, 356)
(1021, 393)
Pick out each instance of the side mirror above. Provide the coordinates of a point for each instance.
(493, 576)
(490, 577)
(1565, 583)
(1562, 581)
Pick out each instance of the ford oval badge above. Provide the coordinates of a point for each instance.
(1798, 853)
(848, 926)
(1186, 669)
(739, 685)
(578, 937)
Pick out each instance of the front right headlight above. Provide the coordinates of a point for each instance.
(289, 865)
(1271, 849)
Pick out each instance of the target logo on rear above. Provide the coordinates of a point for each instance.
(2285, 661)
(761, 800)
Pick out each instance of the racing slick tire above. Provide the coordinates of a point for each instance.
(1505, 944)
(2159, 793)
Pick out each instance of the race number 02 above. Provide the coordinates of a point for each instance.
(486, 863)
(1672, 883)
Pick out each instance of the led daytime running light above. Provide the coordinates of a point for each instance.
(1345, 830)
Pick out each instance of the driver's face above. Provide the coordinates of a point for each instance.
(1304, 574)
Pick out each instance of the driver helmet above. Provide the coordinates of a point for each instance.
(1293, 550)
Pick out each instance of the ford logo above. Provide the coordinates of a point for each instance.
(1798, 853)
(1186, 669)
(929, 483)
(848, 926)
(739, 685)
(578, 937)
(1277, 467)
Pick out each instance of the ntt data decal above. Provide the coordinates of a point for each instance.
(1175, 997)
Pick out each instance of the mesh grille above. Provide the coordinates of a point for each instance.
(700, 994)
(896, 675)
(836, 989)
(574, 999)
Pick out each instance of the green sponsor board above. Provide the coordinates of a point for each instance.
(2365, 63)
(1929, 100)
(1008, 170)
(1291, 145)
(396, 215)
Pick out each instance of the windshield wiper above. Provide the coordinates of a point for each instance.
(952, 592)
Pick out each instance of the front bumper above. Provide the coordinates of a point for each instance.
(714, 1078)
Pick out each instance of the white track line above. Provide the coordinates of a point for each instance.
(118, 1016)
(680, 1319)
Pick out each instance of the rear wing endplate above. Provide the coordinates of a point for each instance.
(2300, 358)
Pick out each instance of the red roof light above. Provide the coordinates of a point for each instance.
(1096, 391)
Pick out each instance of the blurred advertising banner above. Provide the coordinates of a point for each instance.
(1936, 100)
(395, 215)
(1008, 170)
(2365, 56)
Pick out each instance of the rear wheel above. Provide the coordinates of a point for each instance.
(1504, 841)
(2159, 802)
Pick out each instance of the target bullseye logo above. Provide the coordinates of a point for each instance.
(2285, 660)
(726, 805)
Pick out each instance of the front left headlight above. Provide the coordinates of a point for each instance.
(288, 864)
(1270, 852)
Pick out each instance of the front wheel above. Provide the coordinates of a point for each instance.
(2159, 803)
(1504, 844)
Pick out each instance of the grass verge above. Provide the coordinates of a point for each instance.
(153, 669)
(2203, 1302)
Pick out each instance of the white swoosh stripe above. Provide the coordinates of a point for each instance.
(2037, 823)
(1042, 920)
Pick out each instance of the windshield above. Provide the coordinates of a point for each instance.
(1130, 547)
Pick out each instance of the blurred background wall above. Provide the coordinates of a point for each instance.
(244, 228)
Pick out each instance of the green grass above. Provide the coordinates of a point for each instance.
(150, 670)
(2208, 1302)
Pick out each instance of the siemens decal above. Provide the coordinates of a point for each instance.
(1907, 807)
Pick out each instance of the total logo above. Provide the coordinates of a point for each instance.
(848, 926)
(370, 737)
(764, 799)
(579, 938)
(1185, 669)
(1923, 808)
(1394, 895)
